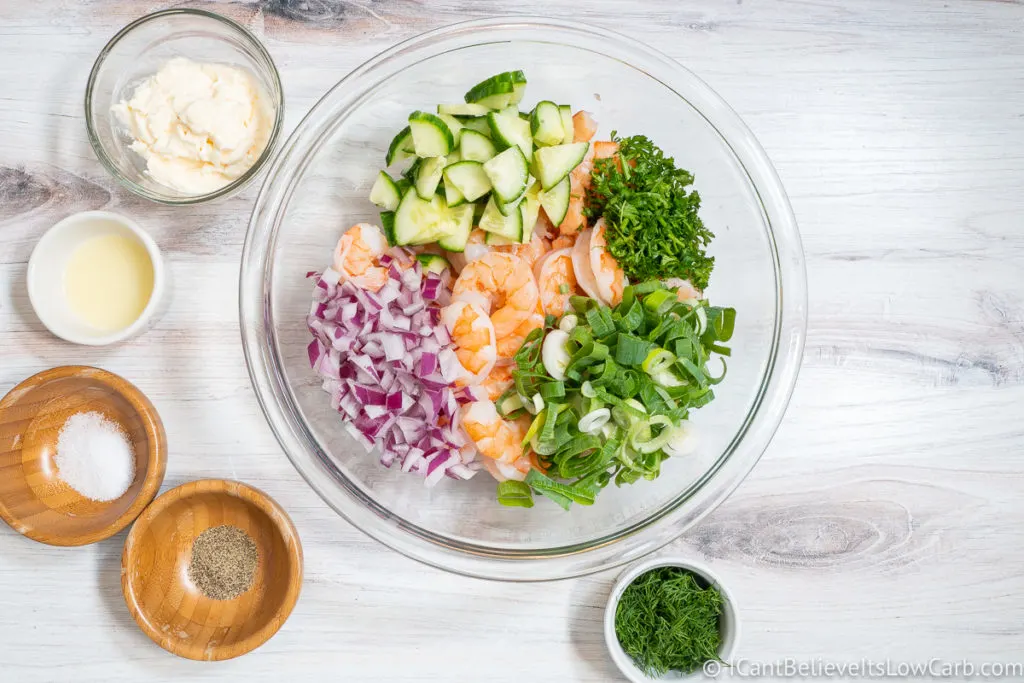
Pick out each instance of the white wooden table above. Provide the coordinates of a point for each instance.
(886, 520)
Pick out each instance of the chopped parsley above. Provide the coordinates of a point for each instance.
(653, 230)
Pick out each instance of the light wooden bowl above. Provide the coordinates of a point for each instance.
(33, 499)
(165, 603)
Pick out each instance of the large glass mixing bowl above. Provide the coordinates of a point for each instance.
(318, 186)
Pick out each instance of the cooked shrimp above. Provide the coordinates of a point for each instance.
(607, 272)
(581, 265)
(473, 335)
(563, 242)
(556, 281)
(494, 438)
(505, 287)
(356, 256)
(579, 181)
(510, 343)
(684, 290)
(583, 126)
(498, 381)
(530, 252)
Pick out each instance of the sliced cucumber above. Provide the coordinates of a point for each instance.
(467, 109)
(384, 192)
(409, 174)
(454, 125)
(511, 130)
(479, 124)
(518, 86)
(433, 263)
(421, 221)
(401, 147)
(555, 163)
(507, 209)
(387, 222)
(476, 146)
(508, 173)
(460, 224)
(402, 185)
(568, 132)
(511, 110)
(546, 124)
(529, 207)
(469, 178)
(454, 157)
(431, 136)
(556, 201)
(495, 92)
(452, 196)
(509, 227)
(497, 240)
(428, 176)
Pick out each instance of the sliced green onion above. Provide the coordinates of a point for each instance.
(552, 390)
(568, 323)
(563, 494)
(657, 360)
(631, 350)
(592, 422)
(535, 426)
(538, 403)
(656, 300)
(655, 443)
(587, 389)
(515, 494)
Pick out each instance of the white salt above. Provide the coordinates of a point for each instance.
(94, 457)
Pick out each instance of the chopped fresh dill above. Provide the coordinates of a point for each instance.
(666, 621)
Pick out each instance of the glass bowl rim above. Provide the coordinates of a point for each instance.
(236, 184)
(472, 559)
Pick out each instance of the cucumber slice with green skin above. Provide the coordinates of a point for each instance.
(384, 192)
(530, 210)
(495, 92)
(518, 86)
(479, 124)
(555, 163)
(511, 130)
(431, 136)
(568, 132)
(387, 222)
(546, 124)
(509, 227)
(421, 221)
(452, 196)
(556, 201)
(507, 209)
(428, 176)
(468, 109)
(469, 178)
(508, 173)
(402, 185)
(454, 125)
(476, 146)
(433, 263)
(460, 224)
(497, 240)
(512, 110)
(401, 147)
(409, 174)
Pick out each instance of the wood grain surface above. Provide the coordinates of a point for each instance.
(886, 519)
(168, 606)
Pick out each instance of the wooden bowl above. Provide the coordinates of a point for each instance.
(33, 499)
(165, 603)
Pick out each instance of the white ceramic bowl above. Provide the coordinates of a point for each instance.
(49, 260)
(729, 624)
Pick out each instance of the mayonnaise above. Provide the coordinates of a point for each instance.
(198, 126)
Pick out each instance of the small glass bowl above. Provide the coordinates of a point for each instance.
(138, 51)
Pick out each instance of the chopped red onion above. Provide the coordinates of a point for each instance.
(388, 365)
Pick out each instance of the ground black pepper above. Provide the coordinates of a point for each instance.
(223, 562)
